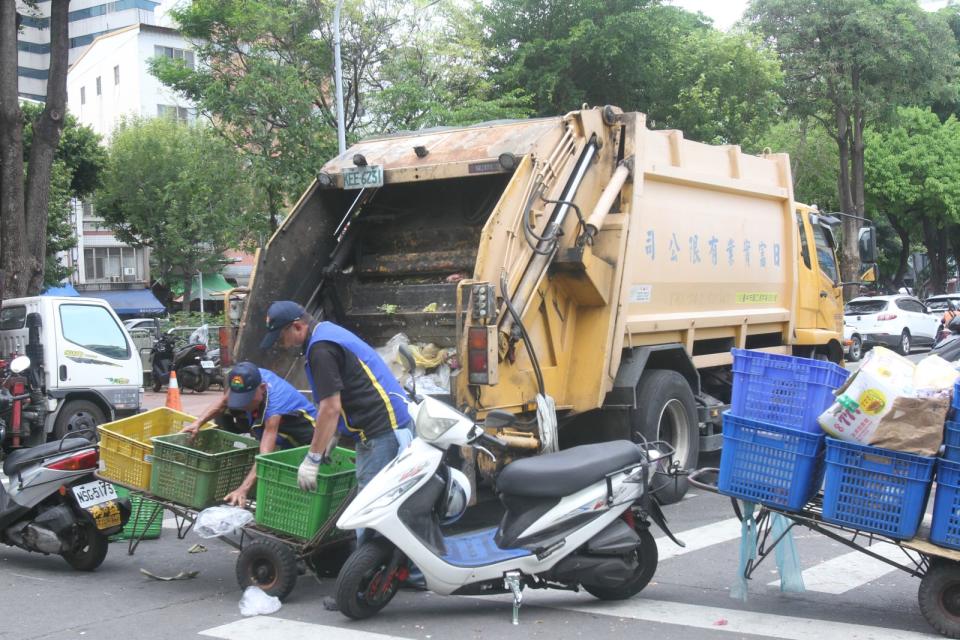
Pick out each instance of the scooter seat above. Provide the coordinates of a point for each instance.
(25, 457)
(555, 475)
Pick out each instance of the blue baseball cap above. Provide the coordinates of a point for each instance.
(279, 315)
(242, 383)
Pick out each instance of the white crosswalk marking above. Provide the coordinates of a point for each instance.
(698, 538)
(269, 628)
(850, 570)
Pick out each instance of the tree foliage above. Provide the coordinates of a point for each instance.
(813, 160)
(179, 190)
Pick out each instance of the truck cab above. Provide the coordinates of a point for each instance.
(85, 369)
(819, 323)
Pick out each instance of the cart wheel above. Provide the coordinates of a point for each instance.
(939, 597)
(270, 565)
(327, 562)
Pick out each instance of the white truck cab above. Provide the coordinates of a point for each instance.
(84, 362)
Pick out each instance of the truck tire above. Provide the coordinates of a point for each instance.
(666, 411)
(77, 415)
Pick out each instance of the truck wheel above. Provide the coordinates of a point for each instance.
(939, 597)
(270, 565)
(666, 411)
(77, 415)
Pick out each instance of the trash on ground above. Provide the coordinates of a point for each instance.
(214, 522)
(183, 575)
(255, 602)
(197, 548)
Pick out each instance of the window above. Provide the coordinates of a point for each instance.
(83, 95)
(180, 114)
(112, 264)
(116, 74)
(95, 329)
(99, 91)
(804, 249)
(825, 253)
(864, 307)
(174, 54)
(13, 318)
(910, 305)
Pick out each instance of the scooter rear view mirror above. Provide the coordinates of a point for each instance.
(20, 364)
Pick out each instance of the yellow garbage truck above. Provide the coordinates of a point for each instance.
(585, 272)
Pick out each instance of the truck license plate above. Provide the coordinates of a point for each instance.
(363, 177)
(94, 493)
(207, 364)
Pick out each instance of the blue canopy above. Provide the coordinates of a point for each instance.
(66, 290)
(130, 302)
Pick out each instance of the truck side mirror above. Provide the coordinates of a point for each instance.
(867, 244)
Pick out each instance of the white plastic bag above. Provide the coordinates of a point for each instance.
(255, 602)
(219, 521)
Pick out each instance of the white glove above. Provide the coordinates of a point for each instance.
(307, 475)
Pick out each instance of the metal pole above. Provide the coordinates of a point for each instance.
(200, 280)
(338, 78)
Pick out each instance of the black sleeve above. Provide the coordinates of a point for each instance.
(326, 363)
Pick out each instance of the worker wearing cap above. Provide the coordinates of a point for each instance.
(355, 392)
(279, 416)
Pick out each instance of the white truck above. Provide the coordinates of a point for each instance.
(85, 368)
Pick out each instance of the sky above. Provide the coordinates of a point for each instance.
(725, 12)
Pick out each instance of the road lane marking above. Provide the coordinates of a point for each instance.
(698, 538)
(850, 570)
(270, 628)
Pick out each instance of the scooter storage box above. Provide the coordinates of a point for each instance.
(200, 473)
(876, 489)
(126, 452)
(776, 466)
(284, 507)
(783, 390)
(945, 526)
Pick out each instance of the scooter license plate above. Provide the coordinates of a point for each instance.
(207, 364)
(93, 493)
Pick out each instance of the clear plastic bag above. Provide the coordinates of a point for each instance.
(255, 602)
(220, 521)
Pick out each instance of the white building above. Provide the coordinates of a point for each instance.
(87, 20)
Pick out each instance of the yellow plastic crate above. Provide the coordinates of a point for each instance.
(126, 453)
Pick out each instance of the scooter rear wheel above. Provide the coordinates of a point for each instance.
(647, 558)
(364, 586)
(89, 549)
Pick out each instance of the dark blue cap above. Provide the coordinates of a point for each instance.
(279, 315)
(242, 384)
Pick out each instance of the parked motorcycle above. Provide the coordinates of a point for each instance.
(191, 363)
(577, 518)
(55, 504)
(948, 347)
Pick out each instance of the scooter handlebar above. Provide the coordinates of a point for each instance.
(492, 441)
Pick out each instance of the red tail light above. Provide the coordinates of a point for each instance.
(84, 460)
(886, 316)
(201, 347)
(482, 355)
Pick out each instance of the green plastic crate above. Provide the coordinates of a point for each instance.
(201, 473)
(139, 525)
(284, 507)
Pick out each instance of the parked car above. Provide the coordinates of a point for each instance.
(896, 321)
(937, 305)
(852, 343)
(139, 323)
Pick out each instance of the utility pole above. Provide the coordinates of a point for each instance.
(338, 78)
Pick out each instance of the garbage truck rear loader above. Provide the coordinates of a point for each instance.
(584, 265)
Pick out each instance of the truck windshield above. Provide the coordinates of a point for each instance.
(825, 252)
(94, 328)
(861, 307)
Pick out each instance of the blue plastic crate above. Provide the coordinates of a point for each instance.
(956, 396)
(783, 390)
(875, 489)
(765, 463)
(951, 441)
(945, 527)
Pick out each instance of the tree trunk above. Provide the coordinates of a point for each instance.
(11, 143)
(935, 241)
(187, 292)
(43, 148)
(850, 259)
(904, 234)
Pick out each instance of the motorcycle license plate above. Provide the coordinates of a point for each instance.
(207, 364)
(93, 493)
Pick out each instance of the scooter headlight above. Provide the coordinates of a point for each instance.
(431, 426)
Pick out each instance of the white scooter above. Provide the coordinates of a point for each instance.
(575, 518)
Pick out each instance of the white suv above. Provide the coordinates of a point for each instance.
(898, 321)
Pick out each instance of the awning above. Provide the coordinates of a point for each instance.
(214, 286)
(66, 290)
(130, 301)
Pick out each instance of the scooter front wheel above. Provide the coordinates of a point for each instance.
(647, 558)
(367, 583)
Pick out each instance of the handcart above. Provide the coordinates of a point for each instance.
(937, 567)
(268, 559)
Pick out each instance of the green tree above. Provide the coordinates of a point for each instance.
(911, 170)
(180, 190)
(848, 63)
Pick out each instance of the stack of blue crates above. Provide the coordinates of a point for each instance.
(945, 527)
(772, 445)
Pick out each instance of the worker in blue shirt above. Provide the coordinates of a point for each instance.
(279, 416)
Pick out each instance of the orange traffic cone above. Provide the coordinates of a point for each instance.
(173, 393)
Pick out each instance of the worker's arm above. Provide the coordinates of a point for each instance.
(212, 411)
(268, 443)
(328, 413)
